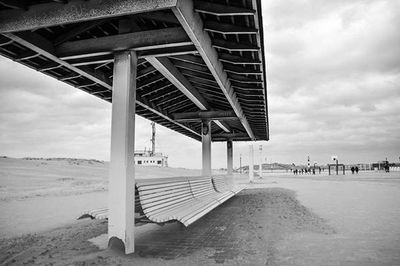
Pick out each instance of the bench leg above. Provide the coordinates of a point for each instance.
(121, 199)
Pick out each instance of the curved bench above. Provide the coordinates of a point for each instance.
(182, 199)
(225, 183)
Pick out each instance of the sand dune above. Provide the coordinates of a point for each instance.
(32, 178)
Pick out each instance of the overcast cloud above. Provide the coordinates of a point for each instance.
(333, 72)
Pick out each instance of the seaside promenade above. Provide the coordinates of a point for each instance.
(278, 220)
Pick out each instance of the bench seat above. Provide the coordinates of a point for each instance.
(182, 199)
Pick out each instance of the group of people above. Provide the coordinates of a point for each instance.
(387, 168)
(354, 169)
(305, 171)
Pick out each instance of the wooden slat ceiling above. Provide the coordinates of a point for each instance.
(174, 73)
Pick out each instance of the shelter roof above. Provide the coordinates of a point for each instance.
(198, 60)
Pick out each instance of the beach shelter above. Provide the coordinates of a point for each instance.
(196, 67)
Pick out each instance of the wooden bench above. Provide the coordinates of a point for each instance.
(182, 199)
(224, 183)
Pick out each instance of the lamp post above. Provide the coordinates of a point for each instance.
(251, 164)
(240, 163)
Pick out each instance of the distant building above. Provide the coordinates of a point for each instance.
(151, 157)
(147, 158)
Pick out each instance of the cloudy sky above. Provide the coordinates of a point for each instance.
(333, 88)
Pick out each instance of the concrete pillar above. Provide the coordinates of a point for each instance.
(229, 147)
(206, 147)
(121, 191)
(251, 164)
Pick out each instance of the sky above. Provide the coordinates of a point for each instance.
(333, 74)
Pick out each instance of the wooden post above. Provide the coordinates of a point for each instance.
(121, 194)
(337, 167)
(229, 147)
(251, 164)
(206, 148)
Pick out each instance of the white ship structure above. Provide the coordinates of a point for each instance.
(151, 157)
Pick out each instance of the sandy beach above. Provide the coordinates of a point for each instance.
(280, 219)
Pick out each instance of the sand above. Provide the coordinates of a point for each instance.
(278, 220)
(38, 195)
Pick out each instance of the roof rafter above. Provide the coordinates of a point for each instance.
(204, 115)
(193, 25)
(234, 46)
(222, 10)
(46, 49)
(76, 31)
(139, 41)
(40, 45)
(165, 66)
(223, 28)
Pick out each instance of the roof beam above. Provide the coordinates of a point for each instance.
(51, 14)
(76, 31)
(222, 10)
(160, 16)
(40, 45)
(258, 24)
(223, 28)
(151, 107)
(138, 41)
(43, 47)
(169, 51)
(193, 25)
(190, 59)
(229, 136)
(165, 67)
(91, 61)
(164, 95)
(234, 46)
(241, 70)
(204, 115)
(238, 60)
(146, 71)
(192, 67)
(149, 81)
(108, 58)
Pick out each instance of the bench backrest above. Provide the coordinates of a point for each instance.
(158, 194)
(201, 186)
(222, 183)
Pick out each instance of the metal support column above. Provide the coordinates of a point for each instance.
(121, 193)
(229, 147)
(206, 147)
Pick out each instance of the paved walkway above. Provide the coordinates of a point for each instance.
(277, 221)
